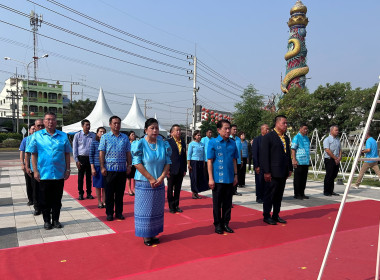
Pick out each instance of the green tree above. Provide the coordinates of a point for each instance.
(78, 110)
(206, 125)
(249, 112)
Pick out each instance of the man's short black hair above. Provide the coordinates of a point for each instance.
(279, 117)
(221, 122)
(233, 125)
(84, 121)
(114, 117)
(303, 124)
(50, 114)
(173, 126)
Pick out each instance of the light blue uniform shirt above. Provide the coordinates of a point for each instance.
(205, 140)
(372, 145)
(23, 144)
(27, 142)
(82, 144)
(301, 144)
(222, 153)
(153, 157)
(244, 149)
(333, 144)
(115, 148)
(51, 150)
(239, 147)
(196, 151)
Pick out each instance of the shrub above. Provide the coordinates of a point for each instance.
(4, 136)
(11, 143)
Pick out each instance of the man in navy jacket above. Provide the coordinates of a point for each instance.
(276, 163)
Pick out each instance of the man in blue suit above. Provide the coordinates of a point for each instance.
(276, 163)
(259, 175)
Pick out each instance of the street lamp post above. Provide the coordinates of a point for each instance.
(26, 65)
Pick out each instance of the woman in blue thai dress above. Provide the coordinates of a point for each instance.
(131, 175)
(195, 164)
(151, 157)
(97, 178)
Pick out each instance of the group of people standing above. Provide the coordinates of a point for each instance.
(216, 163)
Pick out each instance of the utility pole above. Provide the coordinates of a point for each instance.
(146, 107)
(17, 104)
(73, 92)
(35, 22)
(13, 96)
(83, 80)
(195, 88)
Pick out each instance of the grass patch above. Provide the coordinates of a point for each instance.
(8, 149)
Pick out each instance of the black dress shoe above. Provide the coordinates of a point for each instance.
(238, 194)
(279, 220)
(80, 197)
(155, 240)
(327, 194)
(305, 197)
(336, 194)
(148, 242)
(298, 197)
(179, 210)
(37, 212)
(120, 217)
(172, 211)
(90, 196)
(228, 229)
(259, 200)
(29, 203)
(109, 218)
(219, 230)
(47, 226)
(270, 221)
(194, 196)
(57, 224)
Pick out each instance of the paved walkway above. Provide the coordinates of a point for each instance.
(18, 226)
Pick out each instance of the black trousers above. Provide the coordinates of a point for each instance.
(241, 172)
(115, 187)
(273, 193)
(249, 162)
(300, 179)
(260, 185)
(36, 193)
(236, 186)
(174, 190)
(332, 170)
(206, 172)
(29, 187)
(221, 203)
(84, 168)
(51, 199)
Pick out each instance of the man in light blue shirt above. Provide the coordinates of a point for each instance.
(205, 140)
(300, 160)
(28, 180)
(81, 153)
(332, 156)
(370, 152)
(50, 149)
(222, 170)
(239, 149)
(115, 164)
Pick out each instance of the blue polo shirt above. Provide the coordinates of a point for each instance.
(239, 148)
(23, 144)
(301, 145)
(372, 145)
(116, 148)
(196, 151)
(51, 150)
(222, 152)
(244, 149)
(205, 140)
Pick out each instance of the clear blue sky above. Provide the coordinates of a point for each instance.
(244, 41)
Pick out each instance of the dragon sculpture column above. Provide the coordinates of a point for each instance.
(296, 67)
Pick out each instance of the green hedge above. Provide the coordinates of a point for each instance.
(4, 136)
(11, 143)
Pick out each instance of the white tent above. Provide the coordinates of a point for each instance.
(135, 119)
(99, 116)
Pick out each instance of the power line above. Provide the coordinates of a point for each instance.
(220, 80)
(97, 53)
(104, 32)
(218, 86)
(218, 92)
(116, 29)
(10, 41)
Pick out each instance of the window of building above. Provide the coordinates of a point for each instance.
(52, 95)
(33, 108)
(53, 109)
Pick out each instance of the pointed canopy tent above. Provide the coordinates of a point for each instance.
(135, 119)
(163, 131)
(99, 116)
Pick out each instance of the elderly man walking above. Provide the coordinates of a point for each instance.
(332, 156)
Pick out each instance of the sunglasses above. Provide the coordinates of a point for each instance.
(41, 125)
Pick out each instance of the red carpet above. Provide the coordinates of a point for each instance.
(189, 248)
